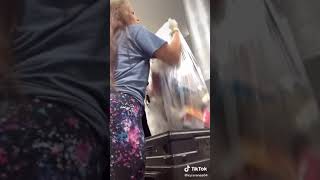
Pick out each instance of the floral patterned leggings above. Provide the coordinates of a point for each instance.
(127, 138)
(41, 140)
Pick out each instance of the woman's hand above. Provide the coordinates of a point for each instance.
(173, 25)
(170, 53)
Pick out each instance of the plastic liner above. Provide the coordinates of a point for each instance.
(197, 14)
(179, 98)
(265, 117)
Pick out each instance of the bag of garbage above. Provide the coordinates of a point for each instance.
(181, 89)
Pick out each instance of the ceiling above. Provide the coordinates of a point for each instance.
(154, 13)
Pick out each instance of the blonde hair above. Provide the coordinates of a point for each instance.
(117, 24)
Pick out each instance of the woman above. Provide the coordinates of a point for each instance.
(131, 48)
(54, 58)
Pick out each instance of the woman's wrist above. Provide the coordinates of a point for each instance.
(174, 30)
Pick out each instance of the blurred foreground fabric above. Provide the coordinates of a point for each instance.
(265, 113)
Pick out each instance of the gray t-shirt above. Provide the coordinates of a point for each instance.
(136, 45)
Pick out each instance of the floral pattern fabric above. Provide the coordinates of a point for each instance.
(41, 140)
(127, 138)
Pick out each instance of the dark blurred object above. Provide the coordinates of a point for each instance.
(8, 21)
(313, 70)
(218, 10)
(303, 17)
(145, 126)
(167, 154)
(264, 94)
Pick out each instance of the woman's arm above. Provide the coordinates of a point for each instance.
(170, 53)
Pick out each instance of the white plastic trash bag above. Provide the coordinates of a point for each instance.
(181, 89)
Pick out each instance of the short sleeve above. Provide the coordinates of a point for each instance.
(148, 41)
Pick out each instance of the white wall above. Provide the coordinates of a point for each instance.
(153, 13)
